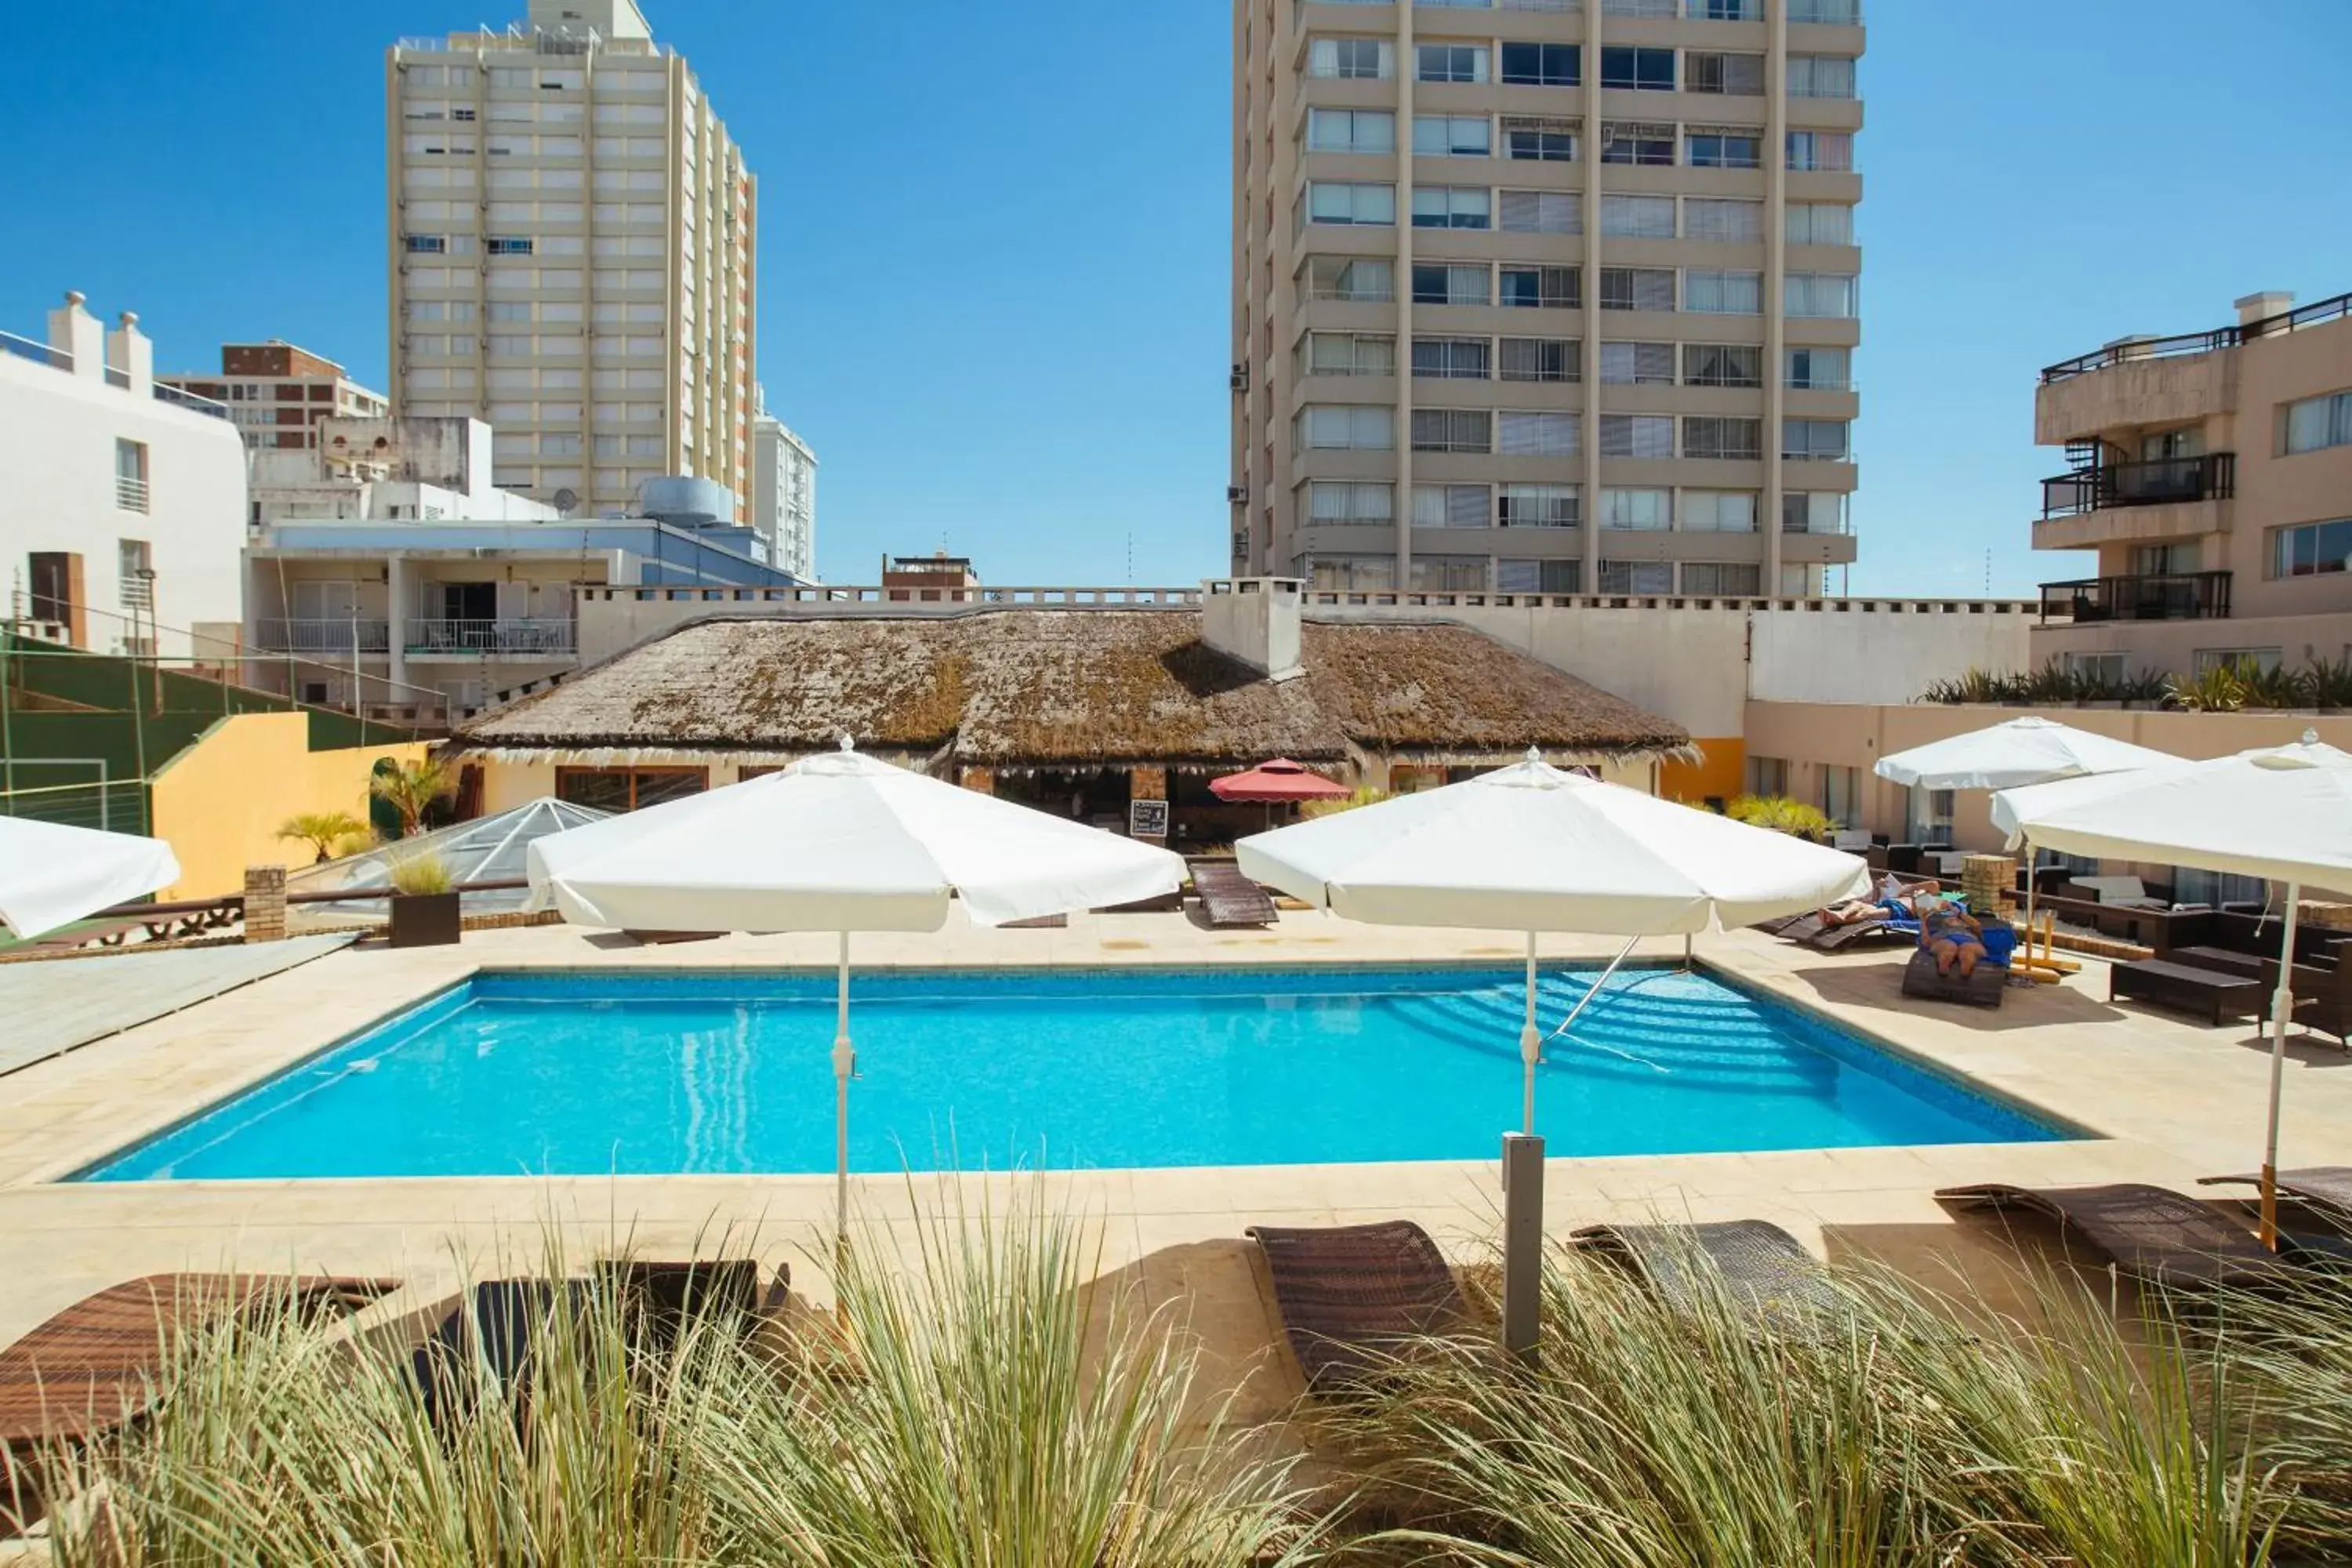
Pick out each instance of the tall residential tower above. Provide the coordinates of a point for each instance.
(1545, 296)
(573, 236)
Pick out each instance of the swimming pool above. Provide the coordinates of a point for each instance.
(642, 1072)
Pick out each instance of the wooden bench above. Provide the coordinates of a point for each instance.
(2187, 989)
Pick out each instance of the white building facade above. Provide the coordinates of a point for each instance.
(784, 494)
(124, 505)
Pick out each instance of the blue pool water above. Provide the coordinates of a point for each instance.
(644, 1073)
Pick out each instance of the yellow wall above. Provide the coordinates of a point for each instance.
(1721, 771)
(219, 803)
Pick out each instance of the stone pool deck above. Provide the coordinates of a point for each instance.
(2172, 1101)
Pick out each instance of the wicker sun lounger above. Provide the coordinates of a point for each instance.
(1349, 1293)
(1229, 898)
(2149, 1233)
(2325, 1189)
(1757, 1260)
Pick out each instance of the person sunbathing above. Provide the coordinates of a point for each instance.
(1952, 934)
(1893, 898)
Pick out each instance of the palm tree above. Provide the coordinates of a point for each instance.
(410, 788)
(321, 830)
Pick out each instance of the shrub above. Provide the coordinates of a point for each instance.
(324, 831)
(1365, 795)
(411, 788)
(1782, 814)
(419, 872)
(2217, 690)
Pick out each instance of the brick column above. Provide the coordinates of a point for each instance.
(981, 781)
(265, 903)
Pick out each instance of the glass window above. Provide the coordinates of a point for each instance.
(1333, 201)
(1709, 71)
(1637, 365)
(1718, 511)
(2249, 661)
(1349, 353)
(1352, 574)
(1452, 206)
(1329, 502)
(1355, 59)
(1818, 370)
(1538, 359)
(1637, 436)
(1720, 293)
(1451, 359)
(2312, 550)
(1814, 440)
(1820, 76)
(1539, 139)
(1539, 506)
(1449, 506)
(1723, 364)
(1345, 426)
(1543, 65)
(1644, 69)
(1638, 217)
(1535, 434)
(2320, 422)
(1541, 212)
(628, 789)
(1637, 289)
(1818, 294)
(1452, 431)
(1452, 136)
(1526, 286)
(1726, 147)
(1449, 573)
(1828, 150)
(1449, 283)
(1819, 223)
(1538, 576)
(1734, 579)
(1710, 218)
(1350, 131)
(1637, 576)
(1637, 141)
(1835, 13)
(1814, 511)
(1350, 278)
(1735, 440)
(1449, 62)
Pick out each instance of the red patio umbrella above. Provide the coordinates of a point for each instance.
(1279, 780)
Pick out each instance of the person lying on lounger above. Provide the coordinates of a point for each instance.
(1952, 934)
(1893, 899)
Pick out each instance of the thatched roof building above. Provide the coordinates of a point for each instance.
(1017, 689)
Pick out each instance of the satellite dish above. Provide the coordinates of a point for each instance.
(565, 499)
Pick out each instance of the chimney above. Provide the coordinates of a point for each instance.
(132, 353)
(2269, 302)
(74, 333)
(1256, 621)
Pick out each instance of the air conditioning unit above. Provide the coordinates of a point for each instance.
(1238, 495)
(1239, 378)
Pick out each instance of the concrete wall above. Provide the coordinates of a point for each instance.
(220, 802)
(1884, 652)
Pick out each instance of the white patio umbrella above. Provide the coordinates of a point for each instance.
(2281, 813)
(845, 842)
(52, 875)
(1529, 847)
(2027, 751)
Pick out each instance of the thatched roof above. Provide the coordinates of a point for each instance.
(1047, 687)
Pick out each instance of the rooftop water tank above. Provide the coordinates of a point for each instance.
(690, 503)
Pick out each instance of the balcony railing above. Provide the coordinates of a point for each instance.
(550, 637)
(2157, 482)
(2165, 597)
(129, 494)
(323, 636)
(2311, 315)
(38, 353)
(179, 397)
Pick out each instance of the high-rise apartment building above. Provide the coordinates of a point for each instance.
(782, 511)
(572, 237)
(277, 393)
(1545, 296)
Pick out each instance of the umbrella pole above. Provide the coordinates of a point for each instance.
(2281, 1008)
(845, 1064)
(1530, 1044)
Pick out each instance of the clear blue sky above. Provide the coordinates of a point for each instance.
(993, 248)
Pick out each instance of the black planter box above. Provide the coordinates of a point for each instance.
(424, 919)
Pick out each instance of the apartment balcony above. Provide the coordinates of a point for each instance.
(536, 638)
(2132, 503)
(346, 637)
(2168, 596)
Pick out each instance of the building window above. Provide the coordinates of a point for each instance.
(1637, 141)
(130, 475)
(1347, 353)
(1354, 505)
(1841, 795)
(1725, 440)
(1449, 62)
(628, 789)
(1452, 431)
(1345, 202)
(1832, 12)
(1549, 287)
(134, 573)
(1725, 579)
(1637, 365)
(1351, 573)
(2320, 422)
(1546, 65)
(1637, 576)
(1646, 71)
(1813, 512)
(1350, 505)
(1351, 59)
(1451, 359)
(1718, 511)
(1538, 359)
(1539, 506)
(1726, 10)
(1638, 217)
(1824, 294)
(1538, 576)
(1828, 152)
(1350, 278)
(1345, 426)
(2242, 660)
(1538, 138)
(1814, 440)
(1714, 292)
(1637, 289)
(1818, 370)
(425, 244)
(1723, 364)
(509, 245)
(1350, 131)
(1819, 223)
(1709, 71)
(1637, 436)
(1537, 434)
(1453, 206)
(1452, 136)
(1449, 506)
(1449, 573)
(1542, 212)
(1733, 222)
(1767, 776)
(1726, 146)
(1820, 76)
(2313, 550)
(1643, 511)
(1449, 283)
(55, 581)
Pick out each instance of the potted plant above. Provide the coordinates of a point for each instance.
(324, 831)
(425, 901)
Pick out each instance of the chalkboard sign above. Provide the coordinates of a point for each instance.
(1146, 819)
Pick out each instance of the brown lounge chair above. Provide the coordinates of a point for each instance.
(2150, 1234)
(1227, 896)
(1758, 1262)
(2325, 1189)
(1984, 988)
(1350, 1294)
